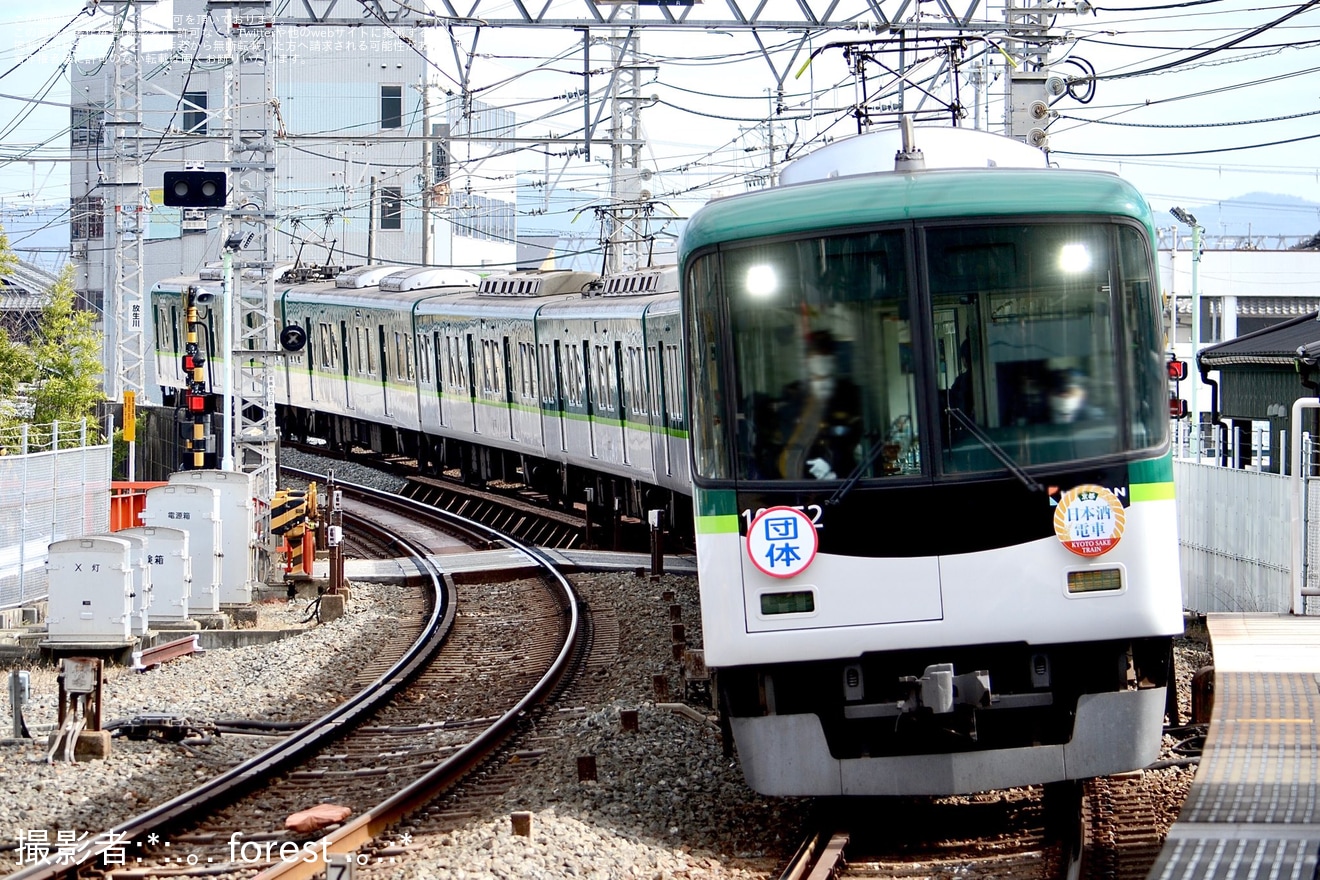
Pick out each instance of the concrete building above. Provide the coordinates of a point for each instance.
(356, 177)
(1238, 291)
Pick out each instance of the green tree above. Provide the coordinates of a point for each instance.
(66, 352)
(15, 359)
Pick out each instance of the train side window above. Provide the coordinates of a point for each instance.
(710, 439)
(673, 391)
(546, 359)
(635, 371)
(604, 387)
(403, 356)
(576, 376)
(424, 359)
(1147, 381)
(526, 372)
(327, 346)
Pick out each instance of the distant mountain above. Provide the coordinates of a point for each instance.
(1257, 213)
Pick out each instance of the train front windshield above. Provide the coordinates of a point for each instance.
(926, 350)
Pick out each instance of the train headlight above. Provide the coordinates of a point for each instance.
(1074, 258)
(1095, 580)
(762, 281)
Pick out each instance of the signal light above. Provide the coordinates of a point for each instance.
(196, 189)
(196, 403)
(1177, 370)
(1177, 407)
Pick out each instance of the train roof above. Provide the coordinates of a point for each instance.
(537, 282)
(842, 202)
(425, 277)
(364, 276)
(178, 283)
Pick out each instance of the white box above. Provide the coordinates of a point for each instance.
(239, 532)
(141, 595)
(196, 510)
(171, 570)
(90, 593)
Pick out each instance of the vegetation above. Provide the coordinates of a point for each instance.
(52, 381)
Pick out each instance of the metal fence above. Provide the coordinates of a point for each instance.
(54, 484)
(1235, 533)
(1234, 539)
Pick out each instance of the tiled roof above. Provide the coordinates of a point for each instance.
(1278, 344)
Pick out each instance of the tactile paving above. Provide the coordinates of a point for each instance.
(1252, 810)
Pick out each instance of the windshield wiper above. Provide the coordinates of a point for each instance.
(857, 472)
(995, 449)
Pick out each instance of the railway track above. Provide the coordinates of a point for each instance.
(479, 660)
(1019, 834)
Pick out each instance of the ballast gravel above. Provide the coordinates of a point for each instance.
(666, 802)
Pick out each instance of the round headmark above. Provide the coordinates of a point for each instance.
(781, 541)
(1089, 520)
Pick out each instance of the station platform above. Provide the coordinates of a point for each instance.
(1254, 806)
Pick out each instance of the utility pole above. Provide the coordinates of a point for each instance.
(1031, 87)
(625, 227)
(124, 209)
(247, 230)
(1189, 219)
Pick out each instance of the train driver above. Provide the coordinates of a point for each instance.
(821, 417)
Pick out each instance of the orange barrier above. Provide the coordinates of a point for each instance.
(127, 501)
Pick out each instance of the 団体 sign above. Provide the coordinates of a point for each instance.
(782, 541)
(1089, 520)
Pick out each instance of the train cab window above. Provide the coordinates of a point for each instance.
(1024, 316)
(820, 349)
(1148, 424)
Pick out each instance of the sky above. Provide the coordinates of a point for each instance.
(1180, 98)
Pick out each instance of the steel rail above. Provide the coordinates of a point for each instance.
(373, 823)
(315, 734)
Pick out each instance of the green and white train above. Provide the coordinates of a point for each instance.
(932, 474)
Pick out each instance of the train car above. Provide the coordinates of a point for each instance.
(487, 342)
(607, 402)
(932, 475)
(362, 357)
(562, 379)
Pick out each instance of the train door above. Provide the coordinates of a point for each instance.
(673, 420)
(472, 381)
(348, 383)
(655, 386)
(507, 373)
(311, 360)
(558, 389)
(439, 378)
(588, 401)
(620, 398)
(384, 369)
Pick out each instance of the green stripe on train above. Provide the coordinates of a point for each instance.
(1151, 491)
(1151, 480)
(717, 511)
